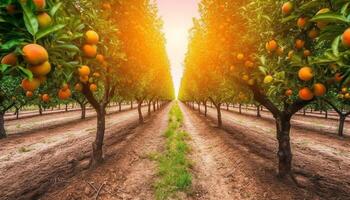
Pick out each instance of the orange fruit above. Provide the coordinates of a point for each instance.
(64, 94)
(338, 77)
(90, 51)
(84, 79)
(65, 86)
(45, 98)
(305, 74)
(280, 51)
(245, 77)
(39, 4)
(78, 87)
(302, 21)
(240, 56)
(271, 46)
(84, 70)
(41, 70)
(313, 33)
(306, 94)
(347, 96)
(96, 74)
(32, 85)
(319, 89)
(106, 6)
(9, 59)
(344, 90)
(93, 87)
(268, 79)
(299, 44)
(346, 37)
(307, 53)
(289, 92)
(249, 64)
(287, 8)
(44, 20)
(29, 94)
(100, 58)
(91, 37)
(35, 54)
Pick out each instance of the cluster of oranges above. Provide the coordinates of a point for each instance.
(344, 94)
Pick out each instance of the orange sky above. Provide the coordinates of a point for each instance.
(177, 16)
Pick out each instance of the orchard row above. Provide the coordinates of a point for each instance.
(283, 55)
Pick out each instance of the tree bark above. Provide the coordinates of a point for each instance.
(240, 108)
(341, 125)
(83, 110)
(258, 111)
(149, 103)
(40, 110)
(326, 114)
(218, 110)
(66, 109)
(97, 153)
(205, 108)
(154, 106)
(199, 107)
(2, 126)
(120, 106)
(131, 105)
(139, 107)
(227, 106)
(17, 113)
(284, 149)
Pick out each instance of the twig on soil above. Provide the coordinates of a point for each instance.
(93, 187)
(99, 190)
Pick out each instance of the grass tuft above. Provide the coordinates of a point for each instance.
(173, 164)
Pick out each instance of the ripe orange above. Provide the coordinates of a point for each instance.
(96, 74)
(249, 64)
(64, 94)
(313, 33)
(299, 44)
(39, 4)
(93, 87)
(65, 86)
(84, 70)
(45, 98)
(84, 79)
(44, 20)
(240, 56)
(245, 77)
(78, 87)
(32, 85)
(346, 38)
(302, 21)
(287, 8)
(100, 58)
(289, 92)
(90, 51)
(271, 46)
(322, 24)
(305, 74)
(35, 54)
(9, 59)
(347, 96)
(307, 53)
(106, 6)
(319, 89)
(29, 94)
(306, 94)
(344, 90)
(91, 37)
(41, 70)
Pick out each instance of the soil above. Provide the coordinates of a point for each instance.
(32, 163)
(128, 174)
(321, 162)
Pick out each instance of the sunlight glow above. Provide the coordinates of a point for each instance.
(178, 17)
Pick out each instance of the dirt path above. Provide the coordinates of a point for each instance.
(129, 174)
(33, 162)
(321, 162)
(225, 169)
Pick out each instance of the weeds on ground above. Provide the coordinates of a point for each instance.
(173, 164)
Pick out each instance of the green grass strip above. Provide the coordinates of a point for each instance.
(173, 165)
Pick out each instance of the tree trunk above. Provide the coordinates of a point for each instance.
(284, 149)
(326, 114)
(97, 152)
(132, 105)
(205, 108)
(240, 108)
(218, 110)
(199, 107)
(154, 106)
(139, 106)
(227, 107)
(66, 109)
(341, 125)
(120, 106)
(83, 111)
(2, 126)
(304, 112)
(157, 104)
(149, 103)
(17, 113)
(40, 110)
(258, 111)
(59, 106)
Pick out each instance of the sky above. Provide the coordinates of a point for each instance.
(178, 19)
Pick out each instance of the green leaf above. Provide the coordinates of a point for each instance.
(3, 68)
(310, 5)
(49, 30)
(55, 8)
(30, 19)
(335, 46)
(11, 44)
(344, 8)
(330, 17)
(26, 72)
